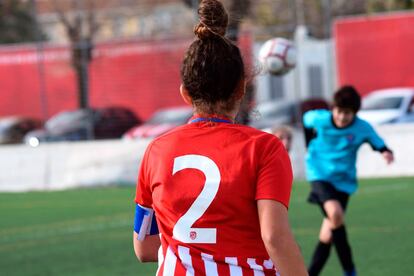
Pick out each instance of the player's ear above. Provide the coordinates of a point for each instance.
(185, 95)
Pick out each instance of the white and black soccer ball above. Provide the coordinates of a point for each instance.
(277, 56)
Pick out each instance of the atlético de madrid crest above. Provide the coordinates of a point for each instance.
(350, 137)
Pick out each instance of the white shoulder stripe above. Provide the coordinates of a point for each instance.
(169, 263)
(257, 269)
(185, 257)
(235, 270)
(209, 264)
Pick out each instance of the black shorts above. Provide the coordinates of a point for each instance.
(322, 191)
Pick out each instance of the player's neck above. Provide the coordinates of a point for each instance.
(225, 116)
(230, 115)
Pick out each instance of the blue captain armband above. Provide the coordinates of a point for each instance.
(145, 222)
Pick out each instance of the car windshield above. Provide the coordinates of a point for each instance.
(376, 103)
(67, 119)
(173, 116)
(7, 123)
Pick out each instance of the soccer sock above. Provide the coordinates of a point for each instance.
(319, 258)
(352, 273)
(340, 240)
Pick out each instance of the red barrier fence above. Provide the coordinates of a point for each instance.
(143, 76)
(377, 51)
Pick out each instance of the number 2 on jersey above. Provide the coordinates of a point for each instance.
(183, 230)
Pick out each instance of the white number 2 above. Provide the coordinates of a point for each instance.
(182, 230)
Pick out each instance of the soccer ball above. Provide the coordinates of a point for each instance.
(277, 56)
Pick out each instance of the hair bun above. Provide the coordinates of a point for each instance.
(213, 19)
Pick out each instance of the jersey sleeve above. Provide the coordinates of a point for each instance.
(376, 142)
(313, 118)
(143, 195)
(275, 174)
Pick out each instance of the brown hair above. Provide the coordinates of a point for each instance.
(212, 68)
(347, 97)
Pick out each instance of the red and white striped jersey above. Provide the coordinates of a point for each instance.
(203, 180)
(184, 261)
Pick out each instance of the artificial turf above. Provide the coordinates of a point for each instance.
(89, 231)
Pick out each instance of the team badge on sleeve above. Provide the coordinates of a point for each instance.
(145, 222)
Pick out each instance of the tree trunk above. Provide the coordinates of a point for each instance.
(82, 81)
(81, 57)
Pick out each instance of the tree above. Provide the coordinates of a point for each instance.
(319, 14)
(389, 5)
(319, 25)
(274, 19)
(81, 27)
(17, 23)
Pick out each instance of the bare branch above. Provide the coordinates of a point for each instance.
(71, 28)
(93, 25)
(78, 22)
(61, 15)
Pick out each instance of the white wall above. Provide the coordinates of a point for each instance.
(314, 52)
(400, 138)
(58, 166)
(67, 165)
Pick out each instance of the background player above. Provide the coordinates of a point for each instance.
(331, 169)
(284, 133)
(219, 190)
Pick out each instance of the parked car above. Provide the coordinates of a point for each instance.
(392, 105)
(84, 124)
(270, 114)
(161, 122)
(312, 104)
(14, 128)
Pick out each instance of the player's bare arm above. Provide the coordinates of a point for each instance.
(146, 239)
(147, 250)
(278, 238)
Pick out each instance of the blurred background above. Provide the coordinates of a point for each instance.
(86, 85)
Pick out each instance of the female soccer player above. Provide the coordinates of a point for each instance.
(219, 190)
(331, 169)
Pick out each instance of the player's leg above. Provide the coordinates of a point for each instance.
(325, 234)
(322, 250)
(335, 213)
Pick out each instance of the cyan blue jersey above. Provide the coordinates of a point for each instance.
(332, 153)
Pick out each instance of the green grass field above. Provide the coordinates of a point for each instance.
(88, 231)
